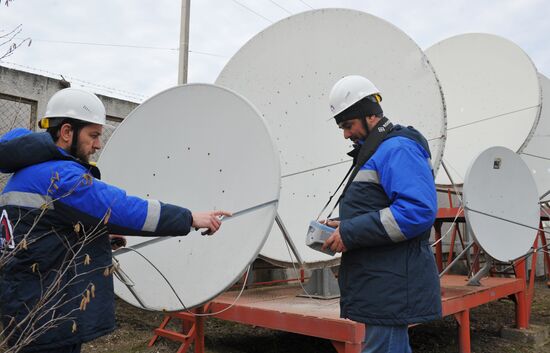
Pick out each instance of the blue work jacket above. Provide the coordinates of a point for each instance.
(388, 274)
(55, 212)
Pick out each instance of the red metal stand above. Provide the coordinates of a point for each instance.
(192, 330)
(279, 308)
(463, 319)
(542, 236)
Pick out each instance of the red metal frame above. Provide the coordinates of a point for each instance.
(279, 308)
(192, 330)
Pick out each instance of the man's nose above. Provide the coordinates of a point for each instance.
(347, 134)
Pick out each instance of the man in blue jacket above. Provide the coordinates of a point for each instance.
(388, 277)
(56, 285)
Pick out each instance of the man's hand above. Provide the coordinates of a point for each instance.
(331, 223)
(334, 242)
(117, 241)
(210, 220)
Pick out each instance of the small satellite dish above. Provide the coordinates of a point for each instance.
(287, 72)
(500, 200)
(202, 147)
(492, 95)
(537, 152)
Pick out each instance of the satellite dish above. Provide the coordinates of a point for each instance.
(288, 70)
(492, 95)
(202, 147)
(537, 152)
(500, 200)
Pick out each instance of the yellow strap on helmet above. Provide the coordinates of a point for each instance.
(44, 123)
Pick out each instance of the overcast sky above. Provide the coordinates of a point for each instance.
(219, 28)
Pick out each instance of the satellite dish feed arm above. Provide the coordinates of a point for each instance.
(456, 259)
(452, 181)
(125, 279)
(288, 240)
(223, 219)
(475, 280)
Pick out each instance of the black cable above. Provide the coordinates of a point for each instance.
(162, 275)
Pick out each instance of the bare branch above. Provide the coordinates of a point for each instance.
(11, 40)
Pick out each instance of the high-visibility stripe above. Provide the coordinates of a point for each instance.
(367, 176)
(391, 226)
(26, 199)
(153, 216)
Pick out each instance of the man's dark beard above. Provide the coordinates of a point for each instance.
(81, 155)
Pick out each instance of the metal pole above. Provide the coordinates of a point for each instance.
(184, 41)
(456, 259)
(452, 182)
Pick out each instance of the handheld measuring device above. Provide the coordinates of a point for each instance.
(317, 233)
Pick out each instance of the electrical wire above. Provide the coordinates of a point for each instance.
(254, 12)
(234, 302)
(282, 8)
(126, 46)
(161, 274)
(177, 295)
(208, 54)
(451, 227)
(535, 156)
(493, 117)
(103, 44)
(532, 251)
(303, 2)
(127, 94)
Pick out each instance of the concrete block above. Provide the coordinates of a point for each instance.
(535, 335)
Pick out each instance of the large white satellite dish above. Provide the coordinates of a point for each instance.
(202, 147)
(501, 203)
(287, 72)
(492, 96)
(537, 152)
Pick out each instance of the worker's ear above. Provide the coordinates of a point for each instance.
(66, 133)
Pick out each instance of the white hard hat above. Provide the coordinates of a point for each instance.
(350, 90)
(76, 104)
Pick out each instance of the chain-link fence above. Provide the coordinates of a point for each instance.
(15, 112)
